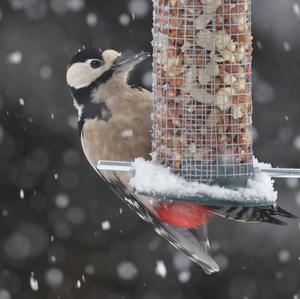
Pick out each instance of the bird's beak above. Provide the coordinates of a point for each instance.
(128, 61)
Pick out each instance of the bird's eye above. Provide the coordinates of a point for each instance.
(96, 63)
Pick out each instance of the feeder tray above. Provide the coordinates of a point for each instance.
(239, 199)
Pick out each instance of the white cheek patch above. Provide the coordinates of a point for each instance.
(81, 75)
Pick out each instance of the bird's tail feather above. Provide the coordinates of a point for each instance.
(254, 214)
(192, 242)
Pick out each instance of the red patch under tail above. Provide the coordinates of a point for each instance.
(186, 215)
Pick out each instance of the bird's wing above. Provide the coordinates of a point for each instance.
(102, 141)
(194, 243)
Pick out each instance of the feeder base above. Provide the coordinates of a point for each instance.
(231, 176)
(150, 185)
(241, 200)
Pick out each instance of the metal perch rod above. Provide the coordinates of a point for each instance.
(128, 167)
(281, 172)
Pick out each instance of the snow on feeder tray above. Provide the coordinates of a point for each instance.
(202, 112)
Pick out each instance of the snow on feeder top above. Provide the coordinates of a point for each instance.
(202, 89)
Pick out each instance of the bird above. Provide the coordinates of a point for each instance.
(114, 122)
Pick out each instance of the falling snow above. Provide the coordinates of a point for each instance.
(15, 57)
(89, 270)
(73, 122)
(181, 262)
(46, 72)
(127, 133)
(127, 270)
(76, 215)
(78, 284)
(124, 19)
(264, 91)
(91, 19)
(62, 200)
(292, 183)
(184, 276)
(105, 225)
(297, 143)
(22, 194)
(259, 44)
(4, 294)
(147, 79)
(21, 101)
(297, 198)
(284, 256)
(34, 284)
(296, 8)
(161, 269)
(75, 5)
(53, 259)
(54, 277)
(140, 8)
(287, 46)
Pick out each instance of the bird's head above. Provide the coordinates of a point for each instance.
(90, 68)
(95, 75)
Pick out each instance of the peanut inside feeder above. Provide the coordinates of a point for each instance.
(202, 89)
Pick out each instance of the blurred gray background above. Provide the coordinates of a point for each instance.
(63, 234)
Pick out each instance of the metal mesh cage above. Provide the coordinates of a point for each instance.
(202, 89)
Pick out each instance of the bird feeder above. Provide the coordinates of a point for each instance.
(202, 117)
(202, 90)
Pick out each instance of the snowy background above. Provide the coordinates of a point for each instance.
(63, 234)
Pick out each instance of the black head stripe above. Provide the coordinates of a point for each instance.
(86, 54)
(83, 95)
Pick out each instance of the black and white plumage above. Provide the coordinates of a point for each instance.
(107, 108)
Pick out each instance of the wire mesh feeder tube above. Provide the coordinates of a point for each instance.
(202, 89)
